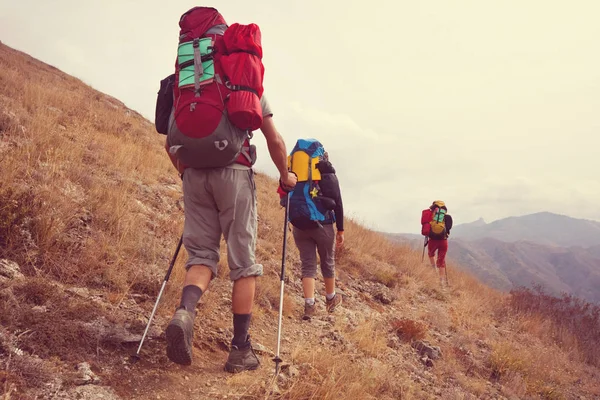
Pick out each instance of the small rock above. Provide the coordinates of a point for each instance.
(289, 370)
(383, 296)
(427, 361)
(425, 349)
(82, 292)
(187, 378)
(86, 375)
(260, 349)
(105, 330)
(39, 309)
(293, 372)
(9, 270)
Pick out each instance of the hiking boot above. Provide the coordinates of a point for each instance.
(241, 359)
(180, 332)
(309, 311)
(333, 303)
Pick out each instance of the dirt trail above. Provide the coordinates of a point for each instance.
(155, 377)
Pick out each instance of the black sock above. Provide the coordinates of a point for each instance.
(190, 296)
(241, 323)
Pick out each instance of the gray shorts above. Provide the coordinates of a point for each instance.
(309, 242)
(221, 201)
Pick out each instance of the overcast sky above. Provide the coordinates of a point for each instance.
(491, 106)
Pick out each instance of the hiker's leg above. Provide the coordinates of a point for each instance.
(442, 272)
(201, 237)
(442, 250)
(432, 261)
(325, 238)
(308, 258)
(326, 246)
(441, 259)
(308, 288)
(235, 197)
(431, 248)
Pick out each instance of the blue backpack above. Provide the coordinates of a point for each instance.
(308, 207)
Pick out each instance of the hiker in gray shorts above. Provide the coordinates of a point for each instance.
(207, 145)
(322, 240)
(222, 201)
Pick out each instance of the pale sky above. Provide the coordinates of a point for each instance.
(491, 106)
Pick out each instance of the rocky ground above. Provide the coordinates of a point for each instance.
(110, 374)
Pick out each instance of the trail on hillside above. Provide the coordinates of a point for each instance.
(324, 336)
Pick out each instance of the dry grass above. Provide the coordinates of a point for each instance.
(334, 376)
(39, 330)
(69, 210)
(369, 338)
(566, 321)
(533, 369)
(409, 330)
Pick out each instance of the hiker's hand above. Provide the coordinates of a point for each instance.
(339, 239)
(288, 181)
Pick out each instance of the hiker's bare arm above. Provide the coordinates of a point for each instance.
(278, 152)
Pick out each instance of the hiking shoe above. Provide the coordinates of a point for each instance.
(333, 303)
(180, 332)
(241, 360)
(309, 311)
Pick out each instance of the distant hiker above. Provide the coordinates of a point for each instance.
(435, 226)
(218, 102)
(315, 205)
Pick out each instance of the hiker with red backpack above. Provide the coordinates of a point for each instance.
(315, 205)
(208, 110)
(435, 226)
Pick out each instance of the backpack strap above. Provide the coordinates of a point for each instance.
(203, 58)
(246, 153)
(198, 69)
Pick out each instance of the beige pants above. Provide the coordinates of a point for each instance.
(221, 201)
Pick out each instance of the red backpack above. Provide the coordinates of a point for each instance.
(426, 218)
(217, 89)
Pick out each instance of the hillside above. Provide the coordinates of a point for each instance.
(543, 227)
(503, 265)
(90, 213)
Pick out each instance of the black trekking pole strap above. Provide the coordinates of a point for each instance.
(174, 258)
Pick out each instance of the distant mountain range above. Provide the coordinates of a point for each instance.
(544, 228)
(559, 252)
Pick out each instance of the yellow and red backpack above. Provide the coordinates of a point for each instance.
(433, 223)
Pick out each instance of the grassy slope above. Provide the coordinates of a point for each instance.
(88, 199)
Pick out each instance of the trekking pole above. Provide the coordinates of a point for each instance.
(136, 357)
(424, 245)
(285, 225)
